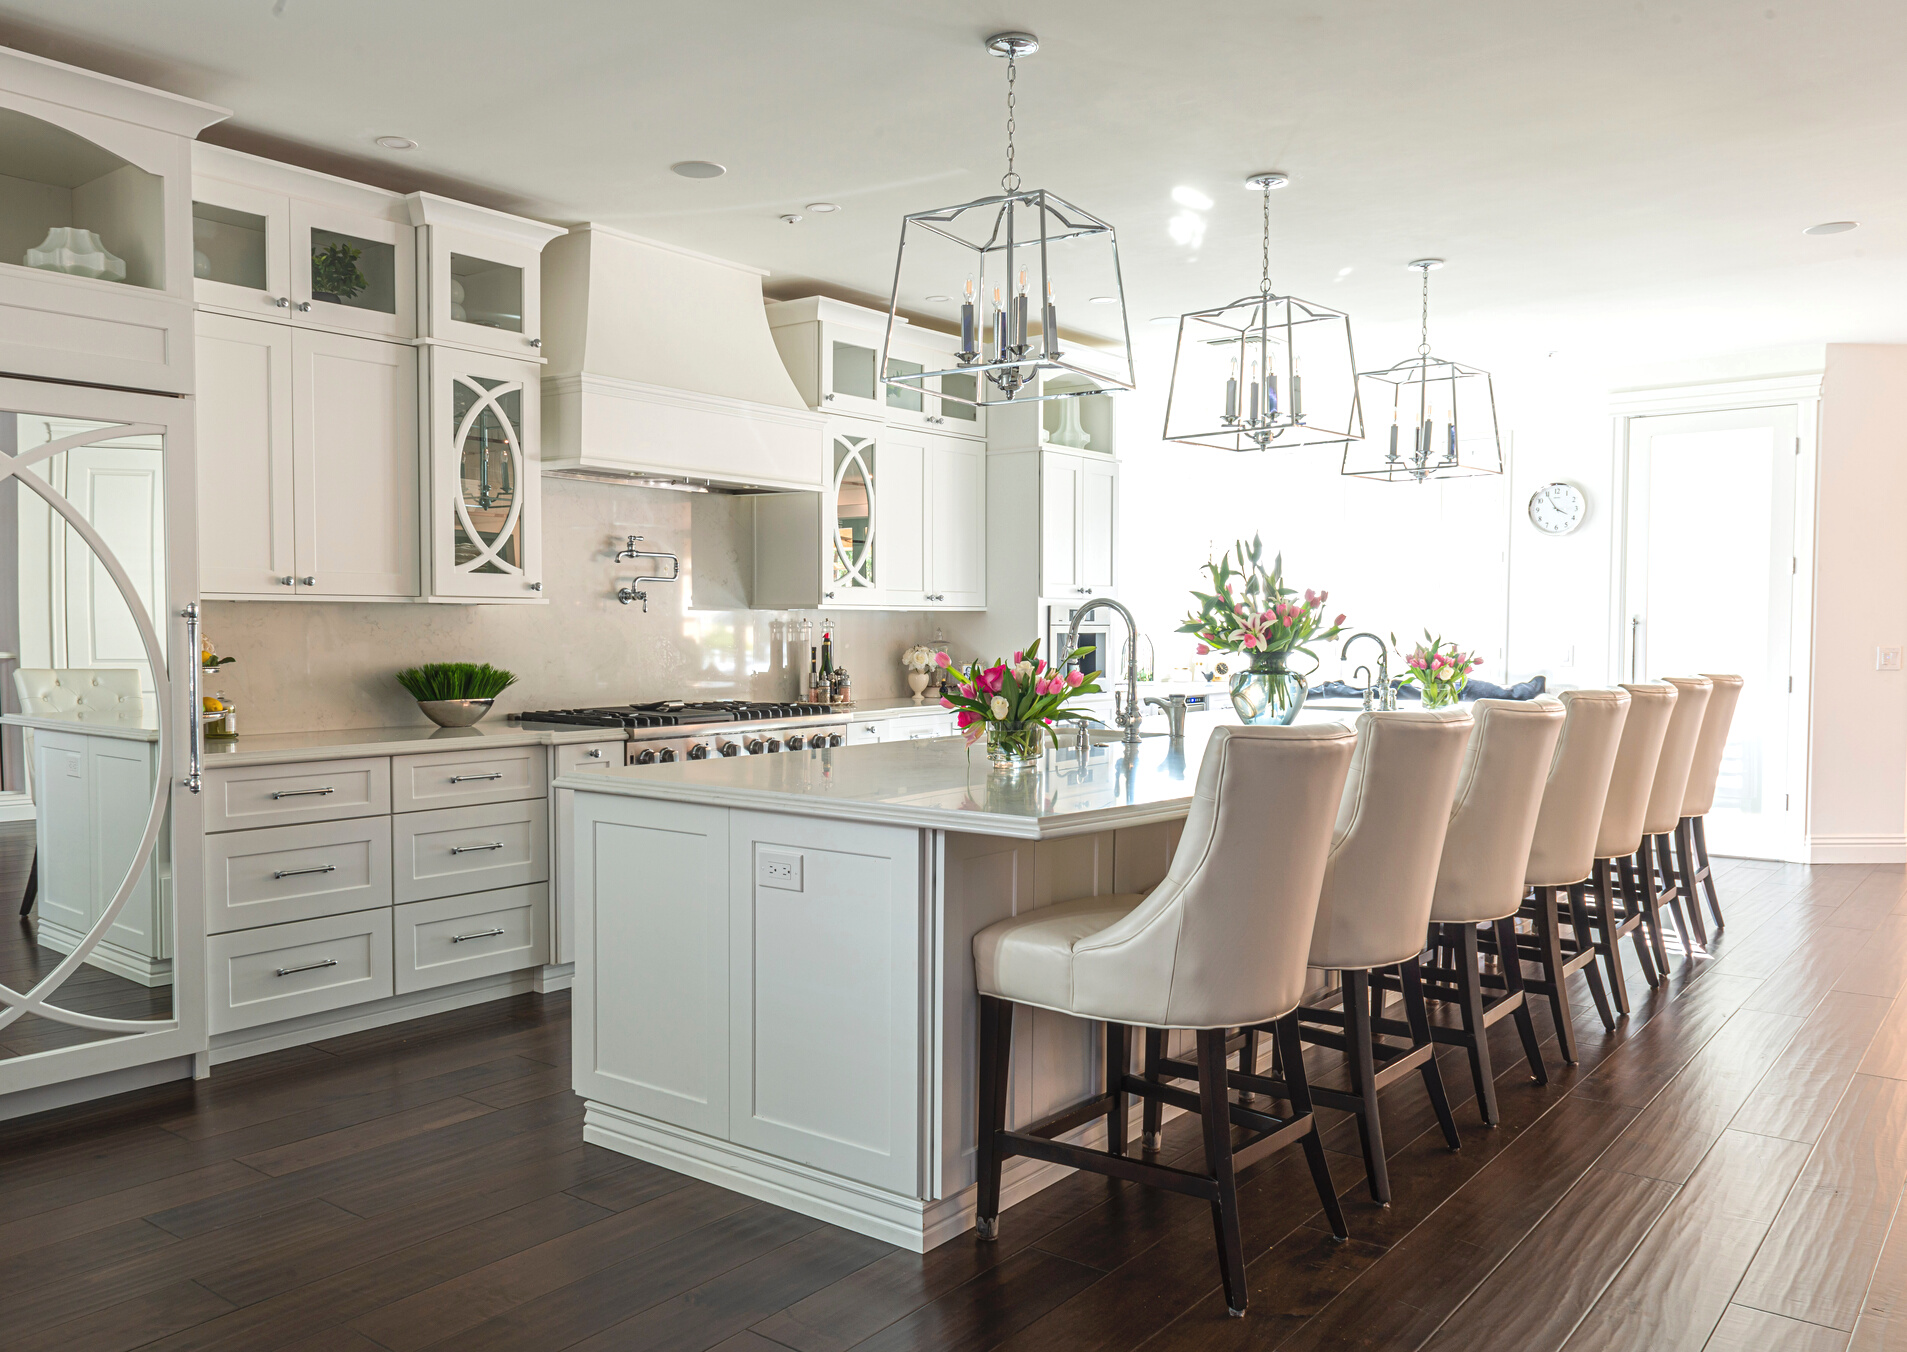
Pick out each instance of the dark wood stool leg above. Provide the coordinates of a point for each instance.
(1513, 983)
(1370, 1128)
(1636, 900)
(1410, 977)
(33, 885)
(1587, 935)
(1609, 918)
(1476, 1034)
(996, 1055)
(1698, 835)
(1550, 947)
(1118, 1066)
(1289, 1049)
(1248, 1062)
(1688, 919)
(1151, 1111)
(1216, 1119)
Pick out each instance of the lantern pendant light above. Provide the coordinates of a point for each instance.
(1442, 414)
(1264, 371)
(1000, 269)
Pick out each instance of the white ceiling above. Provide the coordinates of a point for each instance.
(1601, 176)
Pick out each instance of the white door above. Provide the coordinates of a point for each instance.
(354, 460)
(1709, 573)
(957, 522)
(1060, 476)
(245, 457)
(1098, 508)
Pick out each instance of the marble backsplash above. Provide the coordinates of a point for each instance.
(312, 666)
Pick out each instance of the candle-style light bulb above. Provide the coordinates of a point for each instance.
(999, 326)
(1231, 393)
(1019, 316)
(1254, 392)
(1049, 324)
(967, 350)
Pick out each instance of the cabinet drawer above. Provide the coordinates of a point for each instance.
(446, 778)
(306, 967)
(587, 756)
(281, 873)
(469, 849)
(457, 938)
(273, 795)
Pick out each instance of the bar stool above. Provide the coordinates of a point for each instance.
(1219, 944)
(1664, 817)
(1691, 833)
(1562, 853)
(1486, 851)
(1375, 911)
(1625, 904)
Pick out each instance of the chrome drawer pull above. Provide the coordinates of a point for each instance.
(480, 934)
(300, 793)
(472, 849)
(465, 779)
(300, 872)
(308, 967)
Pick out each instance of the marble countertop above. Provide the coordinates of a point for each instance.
(937, 783)
(264, 748)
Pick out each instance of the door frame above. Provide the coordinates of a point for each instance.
(1802, 393)
(175, 1048)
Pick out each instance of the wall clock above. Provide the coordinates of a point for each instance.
(1557, 508)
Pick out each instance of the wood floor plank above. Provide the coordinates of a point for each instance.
(1879, 965)
(1746, 1330)
(1646, 1063)
(1672, 1292)
(35, 1232)
(1883, 1322)
(1822, 1248)
(1797, 1096)
(130, 1323)
(986, 1310)
(354, 1140)
(1887, 1053)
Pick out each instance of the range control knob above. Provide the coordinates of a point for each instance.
(699, 751)
(795, 743)
(835, 739)
(774, 743)
(756, 746)
(645, 758)
(731, 748)
(668, 755)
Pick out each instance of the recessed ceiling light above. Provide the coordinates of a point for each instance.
(1105, 300)
(698, 169)
(823, 208)
(1191, 197)
(397, 143)
(939, 299)
(1830, 227)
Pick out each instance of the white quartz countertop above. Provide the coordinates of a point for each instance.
(133, 727)
(267, 748)
(936, 783)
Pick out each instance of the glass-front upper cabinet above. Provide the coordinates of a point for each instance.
(851, 553)
(275, 242)
(95, 256)
(485, 510)
(833, 353)
(481, 284)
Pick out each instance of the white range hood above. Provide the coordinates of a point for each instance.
(661, 368)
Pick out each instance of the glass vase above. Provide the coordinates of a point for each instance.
(1269, 692)
(1011, 746)
(1442, 694)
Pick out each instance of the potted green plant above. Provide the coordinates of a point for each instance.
(335, 274)
(455, 694)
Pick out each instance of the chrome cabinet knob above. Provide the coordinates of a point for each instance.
(597, 754)
(303, 306)
(536, 342)
(307, 581)
(536, 586)
(287, 581)
(282, 302)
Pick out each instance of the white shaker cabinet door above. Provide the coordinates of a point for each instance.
(900, 512)
(1098, 509)
(244, 456)
(957, 523)
(1059, 524)
(354, 451)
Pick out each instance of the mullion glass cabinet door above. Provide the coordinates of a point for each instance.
(485, 527)
(851, 554)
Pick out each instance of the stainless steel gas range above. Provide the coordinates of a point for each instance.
(676, 730)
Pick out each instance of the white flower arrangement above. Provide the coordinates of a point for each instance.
(920, 657)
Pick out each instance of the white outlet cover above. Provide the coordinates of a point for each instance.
(778, 869)
(1887, 659)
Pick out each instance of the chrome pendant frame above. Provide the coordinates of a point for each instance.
(1268, 327)
(1420, 454)
(1014, 375)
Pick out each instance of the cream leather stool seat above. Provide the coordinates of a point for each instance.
(1375, 911)
(1486, 852)
(1691, 837)
(1619, 838)
(1562, 855)
(1664, 814)
(1219, 944)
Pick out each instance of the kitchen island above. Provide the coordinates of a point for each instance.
(774, 987)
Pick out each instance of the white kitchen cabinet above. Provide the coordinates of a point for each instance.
(480, 276)
(833, 353)
(307, 463)
(90, 152)
(1078, 523)
(485, 498)
(955, 517)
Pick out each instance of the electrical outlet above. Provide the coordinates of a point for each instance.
(1887, 659)
(778, 868)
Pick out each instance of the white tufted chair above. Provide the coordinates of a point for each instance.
(1486, 852)
(1375, 910)
(1664, 815)
(1691, 836)
(1619, 838)
(1219, 944)
(68, 690)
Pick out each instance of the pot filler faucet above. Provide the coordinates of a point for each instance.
(1130, 715)
(1387, 697)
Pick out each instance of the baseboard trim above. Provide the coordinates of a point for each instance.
(276, 1037)
(16, 807)
(558, 976)
(108, 956)
(47, 1097)
(1887, 849)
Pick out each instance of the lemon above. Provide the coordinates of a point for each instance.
(212, 704)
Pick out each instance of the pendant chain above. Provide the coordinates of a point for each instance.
(1264, 249)
(1010, 181)
(1423, 340)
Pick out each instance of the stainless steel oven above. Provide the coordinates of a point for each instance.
(1095, 635)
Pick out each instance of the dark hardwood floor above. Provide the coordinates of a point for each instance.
(1724, 1171)
(24, 961)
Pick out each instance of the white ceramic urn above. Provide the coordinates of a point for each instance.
(67, 248)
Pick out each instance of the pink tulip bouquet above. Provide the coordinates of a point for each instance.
(1250, 610)
(1438, 670)
(1015, 704)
